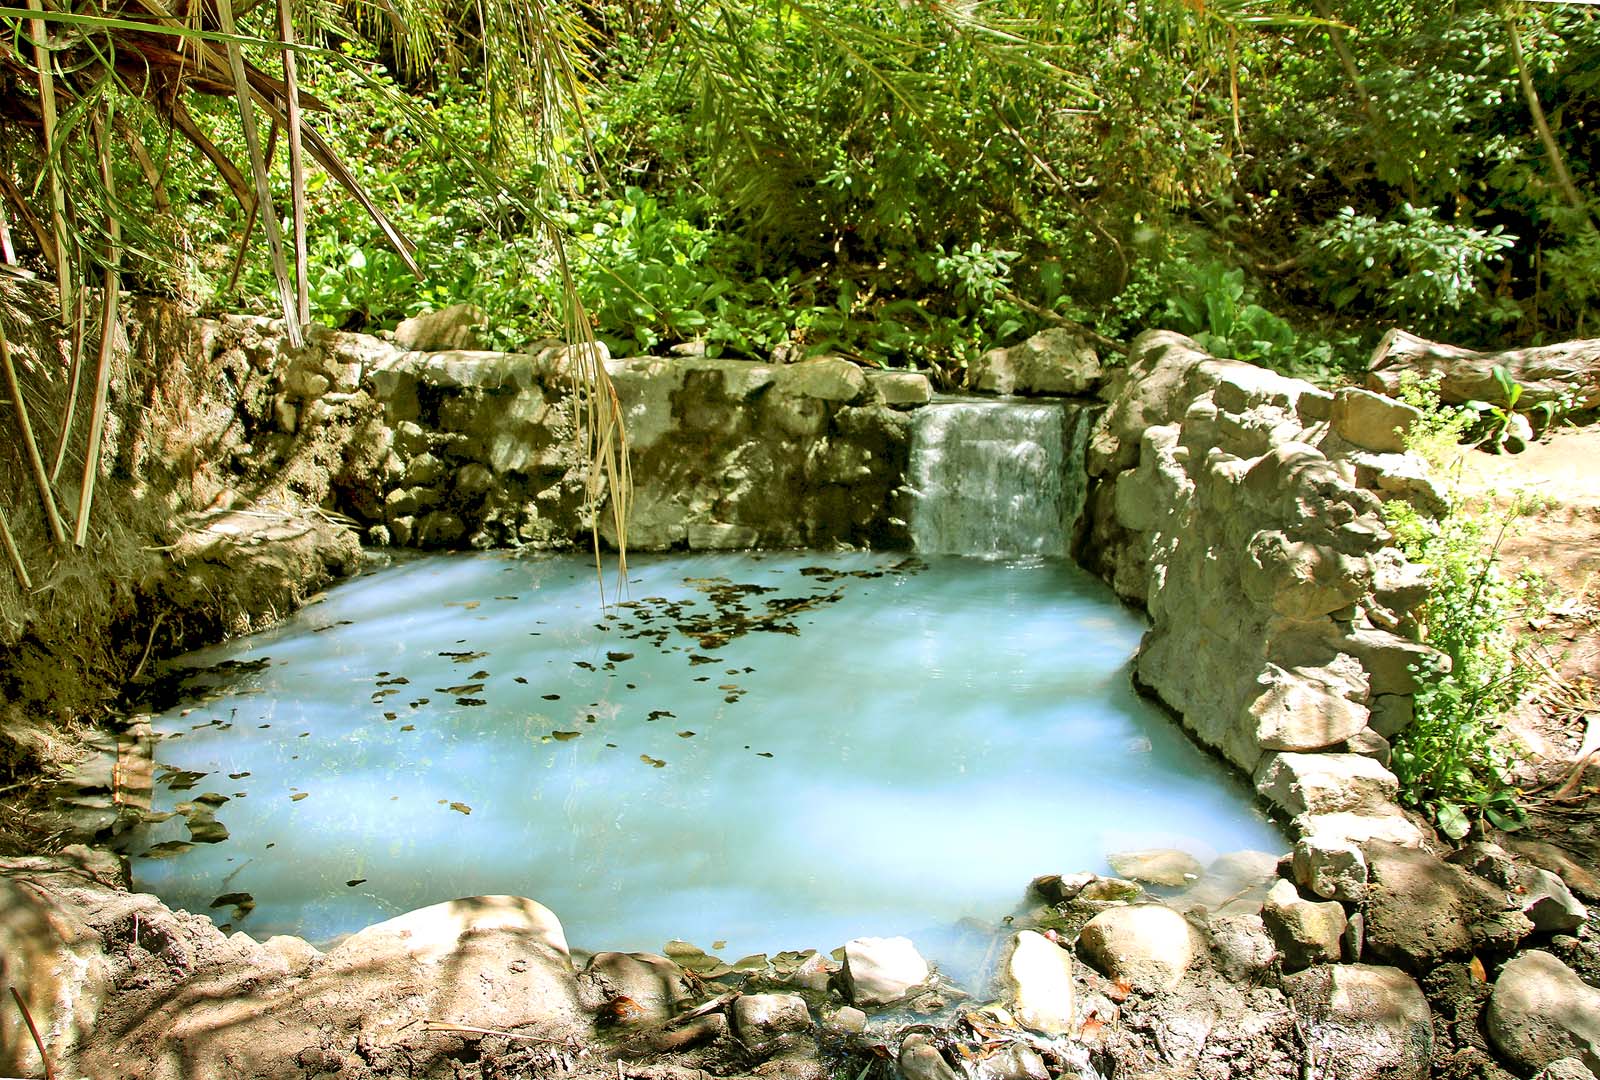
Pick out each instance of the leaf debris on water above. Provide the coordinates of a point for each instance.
(565, 736)
(654, 763)
(685, 734)
(461, 808)
(167, 848)
(353, 882)
(297, 796)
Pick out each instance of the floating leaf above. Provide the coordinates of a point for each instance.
(229, 899)
(551, 697)
(461, 808)
(408, 727)
(685, 734)
(654, 763)
(470, 701)
(464, 688)
(167, 848)
(657, 714)
(353, 882)
(619, 657)
(762, 753)
(565, 736)
(297, 796)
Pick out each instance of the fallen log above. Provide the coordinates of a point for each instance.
(1545, 372)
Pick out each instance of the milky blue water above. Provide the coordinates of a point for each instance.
(754, 752)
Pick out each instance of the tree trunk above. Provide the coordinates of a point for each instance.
(1544, 372)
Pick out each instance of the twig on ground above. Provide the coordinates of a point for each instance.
(27, 1018)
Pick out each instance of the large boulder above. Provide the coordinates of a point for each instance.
(1541, 1011)
(56, 963)
(238, 1010)
(1422, 911)
(459, 326)
(1148, 946)
(878, 971)
(1363, 1022)
(1050, 362)
(1305, 932)
(1038, 976)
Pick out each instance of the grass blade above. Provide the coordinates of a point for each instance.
(258, 165)
(297, 174)
(52, 150)
(46, 496)
(108, 335)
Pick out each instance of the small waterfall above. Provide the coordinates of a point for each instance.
(997, 478)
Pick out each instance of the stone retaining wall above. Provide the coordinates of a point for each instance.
(474, 449)
(1243, 511)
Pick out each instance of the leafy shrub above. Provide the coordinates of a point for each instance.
(1453, 761)
(1410, 266)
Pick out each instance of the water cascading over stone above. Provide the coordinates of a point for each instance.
(999, 479)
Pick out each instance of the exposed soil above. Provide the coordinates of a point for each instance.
(1550, 496)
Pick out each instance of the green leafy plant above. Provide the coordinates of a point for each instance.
(1452, 760)
(1214, 308)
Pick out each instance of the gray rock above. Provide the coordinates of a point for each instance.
(1391, 714)
(1363, 1022)
(759, 1017)
(847, 1019)
(878, 971)
(1241, 947)
(423, 469)
(1105, 889)
(1038, 976)
(920, 1060)
(1325, 783)
(654, 983)
(1541, 1011)
(1549, 857)
(1372, 421)
(1488, 861)
(1060, 888)
(459, 326)
(1050, 362)
(1566, 1068)
(901, 389)
(1013, 1061)
(1157, 866)
(1353, 943)
(1329, 868)
(827, 378)
(1421, 911)
(1368, 743)
(1149, 946)
(1550, 904)
(1305, 932)
(57, 964)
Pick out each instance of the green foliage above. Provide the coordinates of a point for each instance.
(1453, 761)
(1212, 307)
(1410, 265)
(911, 184)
